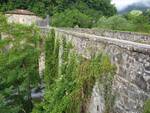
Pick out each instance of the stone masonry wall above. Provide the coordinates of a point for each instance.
(132, 81)
(23, 19)
(130, 36)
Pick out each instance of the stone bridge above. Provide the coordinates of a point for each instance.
(130, 52)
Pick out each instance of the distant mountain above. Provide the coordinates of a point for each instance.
(136, 6)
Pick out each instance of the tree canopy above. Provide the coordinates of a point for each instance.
(50, 7)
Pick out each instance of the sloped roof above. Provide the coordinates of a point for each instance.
(20, 12)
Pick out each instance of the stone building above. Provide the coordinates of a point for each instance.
(22, 16)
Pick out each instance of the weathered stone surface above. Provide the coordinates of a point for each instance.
(23, 19)
(132, 80)
(97, 101)
(130, 36)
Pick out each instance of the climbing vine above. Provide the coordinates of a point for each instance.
(69, 78)
(105, 84)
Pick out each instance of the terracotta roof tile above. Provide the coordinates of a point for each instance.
(21, 12)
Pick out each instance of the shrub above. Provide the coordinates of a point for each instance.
(114, 23)
(119, 23)
(103, 23)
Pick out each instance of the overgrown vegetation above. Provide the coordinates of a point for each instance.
(18, 66)
(106, 83)
(70, 78)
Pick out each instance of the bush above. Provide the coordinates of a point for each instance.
(103, 23)
(139, 20)
(114, 23)
(119, 23)
(71, 18)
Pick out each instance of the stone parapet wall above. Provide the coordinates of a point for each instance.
(125, 44)
(132, 59)
(132, 82)
(130, 36)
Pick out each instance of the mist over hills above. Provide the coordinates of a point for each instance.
(136, 6)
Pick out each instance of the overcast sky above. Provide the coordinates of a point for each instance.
(121, 4)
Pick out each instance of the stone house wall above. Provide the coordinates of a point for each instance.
(23, 19)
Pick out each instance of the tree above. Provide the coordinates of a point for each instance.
(103, 23)
(119, 23)
(71, 18)
(18, 67)
(114, 23)
(104, 6)
(139, 20)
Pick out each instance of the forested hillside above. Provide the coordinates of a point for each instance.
(88, 11)
(83, 13)
(44, 7)
(135, 6)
